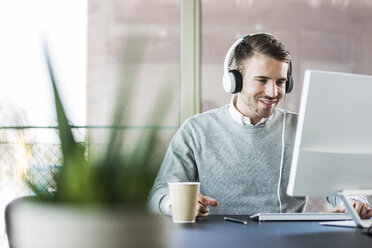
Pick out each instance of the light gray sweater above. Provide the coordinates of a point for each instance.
(238, 165)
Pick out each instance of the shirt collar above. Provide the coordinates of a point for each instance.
(241, 119)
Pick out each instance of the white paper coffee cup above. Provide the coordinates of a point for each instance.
(184, 198)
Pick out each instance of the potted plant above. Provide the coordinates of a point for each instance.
(97, 201)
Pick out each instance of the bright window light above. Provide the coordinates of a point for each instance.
(24, 80)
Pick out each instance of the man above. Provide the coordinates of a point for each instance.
(236, 151)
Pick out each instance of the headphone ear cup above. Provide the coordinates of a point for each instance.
(236, 81)
(289, 84)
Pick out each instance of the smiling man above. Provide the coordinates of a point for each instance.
(236, 151)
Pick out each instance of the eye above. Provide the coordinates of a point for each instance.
(280, 82)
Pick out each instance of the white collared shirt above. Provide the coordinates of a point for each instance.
(241, 119)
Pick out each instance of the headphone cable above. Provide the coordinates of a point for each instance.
(282, 157)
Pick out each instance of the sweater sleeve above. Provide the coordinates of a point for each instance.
(178, 166)
(336, 201)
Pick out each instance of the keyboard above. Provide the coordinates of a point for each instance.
(300, 216)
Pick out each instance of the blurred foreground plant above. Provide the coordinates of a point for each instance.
(120, 176)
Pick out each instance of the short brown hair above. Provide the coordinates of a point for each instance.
(261, 43)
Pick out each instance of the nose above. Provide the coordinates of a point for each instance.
(271, 89)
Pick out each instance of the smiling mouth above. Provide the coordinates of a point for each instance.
(268, 103)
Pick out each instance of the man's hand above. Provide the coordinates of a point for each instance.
(361, 208)
(203, 203)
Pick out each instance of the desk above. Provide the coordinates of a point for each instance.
(214, 232)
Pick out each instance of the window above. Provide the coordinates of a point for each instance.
(25, 94)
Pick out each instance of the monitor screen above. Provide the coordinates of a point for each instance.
(333, 144)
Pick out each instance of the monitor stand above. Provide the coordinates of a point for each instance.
(357, 221)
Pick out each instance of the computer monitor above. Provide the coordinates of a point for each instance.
(333, 145)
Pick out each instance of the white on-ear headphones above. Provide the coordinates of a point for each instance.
(232, 80)
(229, 78)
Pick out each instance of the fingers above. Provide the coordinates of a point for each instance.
(212, 201)
(362, 209)
(358, 207)
(201, 210)
(337, 210)
(368, 214)
(203, 203)
(206, 200)
(363, 213)
(202, 200)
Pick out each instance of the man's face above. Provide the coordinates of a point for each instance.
(263, 87)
